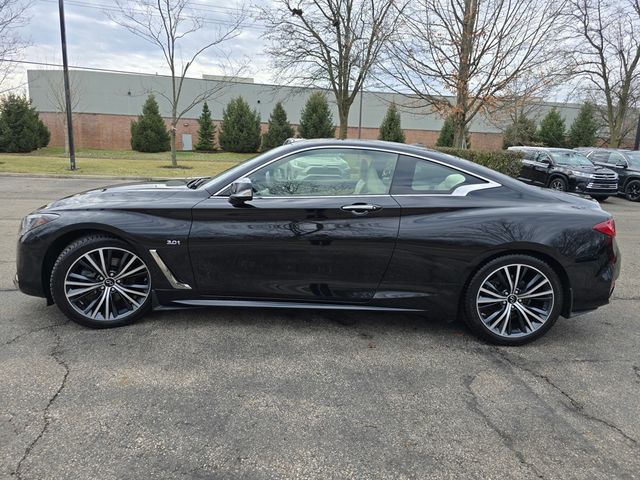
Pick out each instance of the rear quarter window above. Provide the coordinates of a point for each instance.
(418, 176)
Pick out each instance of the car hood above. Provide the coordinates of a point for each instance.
(152, 194)
(588, 169)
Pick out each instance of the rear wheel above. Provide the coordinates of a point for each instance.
(632, 190)
(558, 183)
(99, 281)
(513, 300)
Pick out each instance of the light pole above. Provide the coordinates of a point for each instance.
(67, 92)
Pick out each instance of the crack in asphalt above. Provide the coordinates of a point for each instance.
(55, 354)
(577, 406)
(30, 332)
(474, 405)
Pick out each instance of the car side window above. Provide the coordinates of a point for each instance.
(326, 172)
(419, 176)
(602, 157)
(616, 158)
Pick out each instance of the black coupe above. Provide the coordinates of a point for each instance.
(328, 224)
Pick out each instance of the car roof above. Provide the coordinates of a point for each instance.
(543, 149)
(603, 149)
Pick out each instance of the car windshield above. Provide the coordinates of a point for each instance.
(634, 159)
(571, 159)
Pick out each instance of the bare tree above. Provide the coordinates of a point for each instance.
(525, 97)
(471, 50)
(12, 18)
(166, 24)
(55, 94)
(606, 51)
(329, 43)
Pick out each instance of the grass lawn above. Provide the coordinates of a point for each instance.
(121, 163)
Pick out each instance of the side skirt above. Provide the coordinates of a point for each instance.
(186, 303)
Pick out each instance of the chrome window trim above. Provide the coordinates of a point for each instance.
(167, 273)
(489, 184)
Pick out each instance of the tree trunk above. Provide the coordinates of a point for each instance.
(174, 159)
(459, 130)
(343, 113)
(464, 68)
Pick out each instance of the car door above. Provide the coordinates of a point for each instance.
(528, 164)
(321, 227)
(540, 168)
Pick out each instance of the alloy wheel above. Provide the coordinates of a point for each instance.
(107, 284)
(557, 184)
(633, 191)
(515, 300)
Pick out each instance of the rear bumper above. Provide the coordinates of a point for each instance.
(593, 281)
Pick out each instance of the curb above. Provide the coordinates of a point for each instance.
(86, 177)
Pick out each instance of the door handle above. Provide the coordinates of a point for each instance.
(361, 208)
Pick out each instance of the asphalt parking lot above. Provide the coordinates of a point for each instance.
(251, 394)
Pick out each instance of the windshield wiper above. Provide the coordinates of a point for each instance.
(196, 182)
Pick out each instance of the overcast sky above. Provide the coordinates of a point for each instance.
(96, 41)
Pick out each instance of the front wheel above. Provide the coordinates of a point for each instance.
(632, 190)
(513, 300)
(558, 183)
(99, 281)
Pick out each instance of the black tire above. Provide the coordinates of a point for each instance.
(558, 183)
(632, 191)
(516, 331)
(74, 257)
(600, 198)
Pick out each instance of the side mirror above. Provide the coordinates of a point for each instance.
(621, 164)
(241, 191)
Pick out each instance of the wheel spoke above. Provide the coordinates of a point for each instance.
(507, 317)
(508, 275)
(524, 316)
(131, 272)
(531, 290)
(497, 296)
(132, 292)
(82, 291)
(516, 280)
(546, 293)
(82, 284)
(122, 269)
(503, 314)
(127, 297)
(103, 297)
(94, 265)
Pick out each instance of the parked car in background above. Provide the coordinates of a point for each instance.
(291, 140)
(626, 163)
(566, 170)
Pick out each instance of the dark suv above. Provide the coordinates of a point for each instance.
(566, 170)
(626, 163)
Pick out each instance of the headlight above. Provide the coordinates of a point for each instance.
(34, 220)
(583, 175)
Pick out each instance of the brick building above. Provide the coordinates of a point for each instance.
(104, 104)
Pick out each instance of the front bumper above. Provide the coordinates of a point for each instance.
(596, 187)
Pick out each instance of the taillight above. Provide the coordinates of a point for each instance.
(608, 227)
